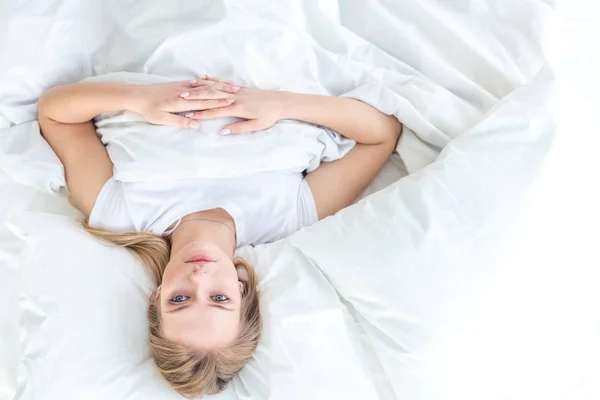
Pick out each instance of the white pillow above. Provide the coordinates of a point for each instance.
(85, 330)
(84, 314)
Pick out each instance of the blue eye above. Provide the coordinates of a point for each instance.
(220, 298)
(179, 299)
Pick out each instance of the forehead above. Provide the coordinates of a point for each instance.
(202, 326)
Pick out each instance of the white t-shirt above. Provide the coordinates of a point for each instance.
(265, 207)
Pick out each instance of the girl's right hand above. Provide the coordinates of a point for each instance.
(158, 103)
(260, 108)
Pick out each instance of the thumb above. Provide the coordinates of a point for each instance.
(250, 125)
(177, 120)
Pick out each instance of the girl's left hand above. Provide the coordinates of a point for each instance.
(160, 103)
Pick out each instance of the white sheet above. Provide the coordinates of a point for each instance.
(571, 374)
(9, 294)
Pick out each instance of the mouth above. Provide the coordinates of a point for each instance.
(199, 259)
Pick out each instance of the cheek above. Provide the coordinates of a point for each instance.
(228, 278)
(228, 269)
(169, 276)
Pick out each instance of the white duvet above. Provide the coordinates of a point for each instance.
(409, 294)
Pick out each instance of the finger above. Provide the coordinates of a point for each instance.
(177, 120)
(205, 94)
(214, 83)
(222, 86)
(215, 113)
(183, 105)
(229, 88)
(201, 105)
(212, 78)
(250, 125)
(199, 82)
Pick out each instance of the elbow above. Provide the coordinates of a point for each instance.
(391, 130)
(43, 105)
(50, 103)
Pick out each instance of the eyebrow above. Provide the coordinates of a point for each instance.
(210, 305)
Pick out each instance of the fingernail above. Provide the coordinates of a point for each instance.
(190, 114)
(194, 81)
(235, 87)
(230, 100)
(225, 131)
(185, 94)
(194, 125)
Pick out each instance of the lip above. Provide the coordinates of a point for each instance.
(200, 259)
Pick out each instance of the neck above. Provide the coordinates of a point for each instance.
(215, 226)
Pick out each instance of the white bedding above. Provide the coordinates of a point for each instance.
(307, 49)
(423, 298)
(15, 197)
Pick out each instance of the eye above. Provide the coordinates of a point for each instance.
(219, 298)
(179, 299)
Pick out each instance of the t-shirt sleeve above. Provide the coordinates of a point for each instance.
(307, 209)
(286, 206)
(110, 211)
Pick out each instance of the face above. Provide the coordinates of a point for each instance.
(200, 297)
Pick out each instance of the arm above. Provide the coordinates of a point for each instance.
(81, 102)
(337, 184)
(65, 115)
(352, 118)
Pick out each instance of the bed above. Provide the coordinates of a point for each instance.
(432, 286)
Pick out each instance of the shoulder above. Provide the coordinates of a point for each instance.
(282, 205)
(110, 211)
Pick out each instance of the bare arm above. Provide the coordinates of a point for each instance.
(65, 114)
(81, 102)
(337, 184)
(352, 118)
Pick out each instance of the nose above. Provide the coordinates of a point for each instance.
(199, 268)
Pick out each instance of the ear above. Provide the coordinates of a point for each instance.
(241, 286)
(155, 296)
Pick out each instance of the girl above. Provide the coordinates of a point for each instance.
(204, 316)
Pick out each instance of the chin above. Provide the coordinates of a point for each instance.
(199, 245)
(201, 248)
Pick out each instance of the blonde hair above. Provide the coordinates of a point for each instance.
(192, 373)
